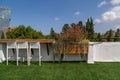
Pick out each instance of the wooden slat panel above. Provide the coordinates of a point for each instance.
(74, 49)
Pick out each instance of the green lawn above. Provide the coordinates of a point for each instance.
(60, 71)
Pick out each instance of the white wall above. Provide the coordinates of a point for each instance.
(98, 52)
(104, 52)
(44, 54)
(50, 57)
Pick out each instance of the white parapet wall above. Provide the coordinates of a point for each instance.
(46, 56)
(98, 52)
(104, 52)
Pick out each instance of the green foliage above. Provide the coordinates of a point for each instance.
(72, 33)
(90, 28)
(80, 23)
(117, 35)
(109, 35)
(53, 34)
(112, 35)
(97, 37)
(22, 32)
(65, 27)
(87, 30)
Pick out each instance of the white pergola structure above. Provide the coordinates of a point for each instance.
(26, 44)
(36, 45)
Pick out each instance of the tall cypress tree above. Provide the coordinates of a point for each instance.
(52, 33)
(90, 28)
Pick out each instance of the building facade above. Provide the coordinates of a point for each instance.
(4, 18)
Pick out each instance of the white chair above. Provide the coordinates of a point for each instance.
(36, 45)
(11, 45)
(23, 45)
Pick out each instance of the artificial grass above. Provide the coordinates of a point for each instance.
(60, 71)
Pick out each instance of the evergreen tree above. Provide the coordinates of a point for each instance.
(73, 25)
(109, 35)
(80, 23)
(52, 33)
(117, 35)
(90, 28)
(65, 27)
(99, 37)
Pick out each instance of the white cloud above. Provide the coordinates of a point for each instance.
(102, 3)
(97, 21)
(115, 2)
(77, 13)
(116, 27)
(112, 15)
(56, 19)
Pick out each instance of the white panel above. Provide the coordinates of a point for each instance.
(107, 52)
(34, 44)
(22, 44)
(11, 44)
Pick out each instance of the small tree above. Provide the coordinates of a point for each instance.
(75, 33)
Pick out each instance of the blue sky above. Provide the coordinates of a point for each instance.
(44, 14)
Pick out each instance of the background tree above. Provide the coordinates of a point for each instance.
(53, 34)
(99, 37)
(117, 35)
(74, 33)
(65, 27)
(22, 32)
(109, 35)
(80, 23)
(29, 32)
(73, 25)
(90, 28)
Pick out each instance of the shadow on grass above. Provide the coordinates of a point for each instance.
(43, 62)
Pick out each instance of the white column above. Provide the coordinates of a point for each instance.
(7, 55)
(17, 56)
(91, 53)
(40, 54)
(28, 52)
